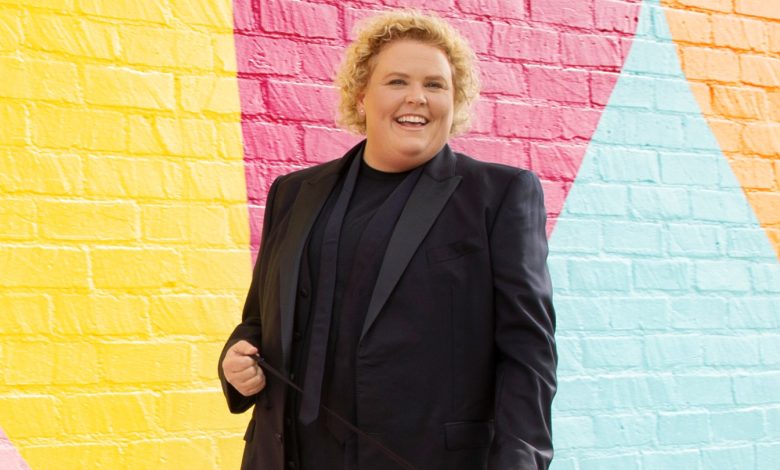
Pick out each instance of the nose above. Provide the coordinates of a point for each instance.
(416, 96)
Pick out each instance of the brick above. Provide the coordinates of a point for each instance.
(753, 312)
(25, 314)
(196, 409)
(559, 272)
(244, 16)
(599, 275)
(133, 363)
(310, 20)
(740, 102)
(195, 315)
(261, 55)
(101, 315)
(32, 79)
(272, 141)
(194, 12)
(720, 351)
(40, 173)
(689, 168)
(701, 91)
(478, 34)
(661, 275)
(769, 350)
(575, 432)
(229, 140)
(322, 60)
(204, 353)
(711, 64)
(133, 177)
(19, 217)
(739, 33)
(193, 453)
(761, 138)
(590, 50)
(30, 416)
(632, 237)
(88, 220)
(90, 129)
(63, 267)
(757, 388)
(495, 8)
(527, 120)
(702, 313)
(320, 144)
(638, 313)
(772, 423)
(683, 428)
(498, 78)
(29, 363)
(698, 389)
(73, 455)
(302, 101)
(713, 5)
(658, 203)
(718, 206)
(766, 277)
(190, 224)
(73, 36)
(767, 207)
(225, 51)
(223, 182)
(634, 91)
(518, 42)
(210, 94)
(557, 84)
(218, 269)
(773, 100)
(556, 162)
(562, 12)
(595, 314)
(174, 136)
(773, 32)
(722, 276)
(599, 199)
(617, 16)
(748, 243)
(126, 9)
(611, 462)
(728, 133)
(109, 413)
(617, 164)
(760, 70)
(737, 425)
(436, 5)
(688, 26)
(767, 455)
(115, 86)
(229, 450)
(158, 47)
(10, 30)
(671, 459)
(14, 130)
(238, 226)
(76, 363)
(612, 352)
(758, 8)
(729, 457)
(141, 268)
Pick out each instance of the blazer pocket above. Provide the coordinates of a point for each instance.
(468, 434)
(453, 250)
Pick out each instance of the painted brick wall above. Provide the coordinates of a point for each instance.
(138, 139)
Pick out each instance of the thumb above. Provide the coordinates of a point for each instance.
(244, 348)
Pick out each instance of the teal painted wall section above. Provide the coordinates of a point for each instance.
(667, 289)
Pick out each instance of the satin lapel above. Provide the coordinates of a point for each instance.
(421, 210)
(303, 213)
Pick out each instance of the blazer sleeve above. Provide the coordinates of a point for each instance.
(526, 356)
(250, 328)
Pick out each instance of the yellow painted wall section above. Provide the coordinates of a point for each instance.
(124, 238)
(730, 51)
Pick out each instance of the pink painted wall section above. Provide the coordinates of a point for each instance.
(9, 457)
(548, 68)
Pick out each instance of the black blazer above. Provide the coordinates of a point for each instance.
(456, 361)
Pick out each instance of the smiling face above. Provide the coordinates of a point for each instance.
(408, 105)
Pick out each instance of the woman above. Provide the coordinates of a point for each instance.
(404, 285)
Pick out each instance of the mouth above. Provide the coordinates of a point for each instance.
(411, 121)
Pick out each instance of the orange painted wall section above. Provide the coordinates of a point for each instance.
(730, 53)
(124, 236)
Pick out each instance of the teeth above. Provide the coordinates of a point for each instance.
(412, 119)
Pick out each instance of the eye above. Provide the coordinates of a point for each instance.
(396, 81)
(435, 85)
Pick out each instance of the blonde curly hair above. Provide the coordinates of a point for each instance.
(373, 34)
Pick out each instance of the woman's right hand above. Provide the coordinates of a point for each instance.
(241, 371)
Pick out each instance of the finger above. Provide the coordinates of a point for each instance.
(244, 348)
